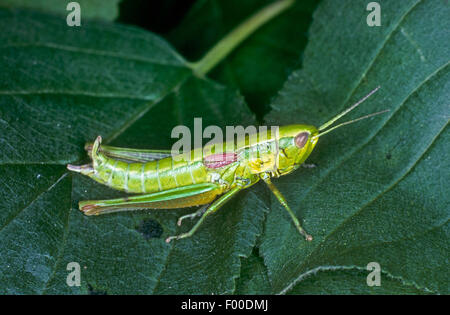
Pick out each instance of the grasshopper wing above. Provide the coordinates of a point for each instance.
(130, 155)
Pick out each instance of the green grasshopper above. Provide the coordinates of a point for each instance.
(161, 181)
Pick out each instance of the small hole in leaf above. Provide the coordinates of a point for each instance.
(388, 156)
(93, 291)
(150, 229)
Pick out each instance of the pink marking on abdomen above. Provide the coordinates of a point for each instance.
(219, 160)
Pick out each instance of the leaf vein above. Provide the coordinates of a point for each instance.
(92, 52)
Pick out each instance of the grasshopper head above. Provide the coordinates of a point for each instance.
(297, 142)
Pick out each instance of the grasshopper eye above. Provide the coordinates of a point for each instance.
(301, 139)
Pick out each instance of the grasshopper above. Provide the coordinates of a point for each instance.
(160, 181)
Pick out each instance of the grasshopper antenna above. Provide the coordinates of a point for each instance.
(335, 118)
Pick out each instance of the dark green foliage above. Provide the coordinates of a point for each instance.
(380, 191)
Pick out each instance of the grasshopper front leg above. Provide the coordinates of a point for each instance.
(266, 178)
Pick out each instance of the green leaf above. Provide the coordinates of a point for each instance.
(262, 63)
(379, 193)
(61, 87)
(71, 84)
(98, 9)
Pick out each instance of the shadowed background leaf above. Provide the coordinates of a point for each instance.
(262, 63)
(258, 67)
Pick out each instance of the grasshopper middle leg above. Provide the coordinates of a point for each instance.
(282, 200)
(197, 213)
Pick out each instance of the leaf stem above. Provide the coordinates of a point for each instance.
(219, 51)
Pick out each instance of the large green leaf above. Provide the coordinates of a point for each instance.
(61, 87)
(380, 191)
(99, 9)
(262, 63)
